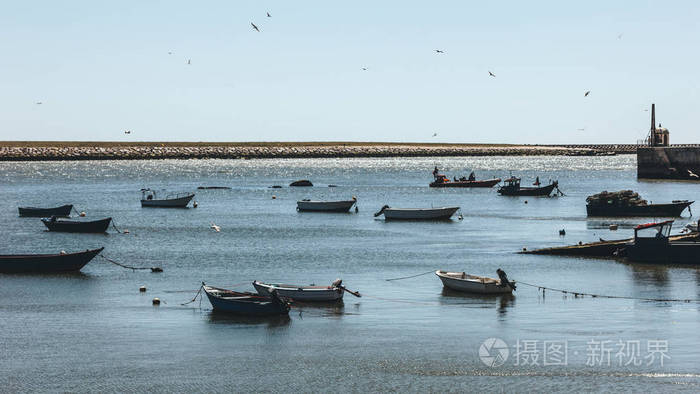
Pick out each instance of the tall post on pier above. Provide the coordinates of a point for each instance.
(652, 131)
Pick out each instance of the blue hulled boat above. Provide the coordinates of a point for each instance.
(247, 304)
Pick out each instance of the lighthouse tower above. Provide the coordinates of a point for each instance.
(658, 136)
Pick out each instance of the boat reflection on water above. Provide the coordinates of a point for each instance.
(322, 309)
(228, 318)
(502, 301)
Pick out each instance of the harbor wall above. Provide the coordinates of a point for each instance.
(201, 151)
(668, 163)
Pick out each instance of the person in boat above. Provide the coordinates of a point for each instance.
(472, 177)
(462, 179)
(436, 172)
(456, 180)
(537, 181)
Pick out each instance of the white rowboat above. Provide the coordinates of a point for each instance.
(443, 213)
(460, 281)
(301, 293)
(325, 206)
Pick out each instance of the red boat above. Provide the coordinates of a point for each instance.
(443, 181)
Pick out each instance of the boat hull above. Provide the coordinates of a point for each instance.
(325, 206)
(484, 183)
(484, 286)
(47, 263)
(75, 226)
(419, 214)
(180, 202)
(33, 212)
(682, 253)
(301, 293)
(244, 304)
(527, 191)
(651, 210)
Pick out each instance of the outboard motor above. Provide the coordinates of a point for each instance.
(337, 283)
(381, 211)
(504, 279)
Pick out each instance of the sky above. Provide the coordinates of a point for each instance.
(101, 68)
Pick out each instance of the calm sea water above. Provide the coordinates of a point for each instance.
(94, 331)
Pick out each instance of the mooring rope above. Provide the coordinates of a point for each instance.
(412, 276)
(76, 211)
(195, 296)
(582, 294)
(115, 227)
(233, 286)
(153, 269)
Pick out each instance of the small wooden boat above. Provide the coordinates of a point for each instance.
(310, 293)
(60, 262)
(673, 209)
(173, 200)
(512, 187)
(443, 181)
(460, 281)
(443, 213)
(302, 182)
(326, 206)
(63, 211)
(248, 304)
(76, 226)
(652, 245)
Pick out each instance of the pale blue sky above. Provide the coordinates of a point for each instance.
(100, 68)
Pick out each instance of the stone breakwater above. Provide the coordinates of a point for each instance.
(19, 153)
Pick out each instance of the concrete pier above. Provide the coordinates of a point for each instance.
(668, 163)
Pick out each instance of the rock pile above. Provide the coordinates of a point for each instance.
(622, 198)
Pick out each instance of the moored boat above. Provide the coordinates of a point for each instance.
(302, 182)
(651, 244)
(63, 211)
(627, 203)
(461, 281)
(46, 263)
(149, 198)
(443, 181)
(326, 206)
(443, 213)
(247, 304)
(76, 226)
(309, 293)
(512, 187)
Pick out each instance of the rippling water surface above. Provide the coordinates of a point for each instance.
(94, 331)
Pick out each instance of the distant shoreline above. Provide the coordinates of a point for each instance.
(82, 150)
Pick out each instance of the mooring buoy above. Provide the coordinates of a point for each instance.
(274, 197)
(156, 301)
(194, 204)
(142, 289)
(82, 214)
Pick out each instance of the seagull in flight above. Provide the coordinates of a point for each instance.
(268, 15)
(492, 74)
(434, 134)
(586, 94)
(439, 51)
(364, 68)
(215, 227)
(254, 27)
(170, 52)
(127, 131)
(694, 175)
(189, 61)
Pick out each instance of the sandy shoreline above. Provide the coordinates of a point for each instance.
(47, 151)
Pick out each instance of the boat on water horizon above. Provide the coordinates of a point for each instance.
(76, 226)
(62, 211)
(461, 281)
(326, 206)
(149, 198)
(443, 213)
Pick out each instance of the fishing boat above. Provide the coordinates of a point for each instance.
(326, 206)
(628, 203)
(248, 304)
(149, 198)
(512, 187)
(46, 263)
(310, 293)
(63, 211)
(443, 213)
(443, 181)
(76, 226)
(461, 281)
(652, 245)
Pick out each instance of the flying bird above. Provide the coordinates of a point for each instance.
(268, 15)
(694, 175)
(170, 52)
(439, 51)
(215, 227)
(434, 134)
(492, 74)
(364, 68)
(39, 103)
(189, 61)
(254, 27)
(586, 94)
(127, 131)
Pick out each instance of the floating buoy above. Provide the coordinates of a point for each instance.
(524, 249)
(613, 227)
(126, 231)
(194, 204)
(63, 252)
(580, 243)
(82, 214)
(142, 289)
(525, 201)
(562, 232)
(156, 301)
(274, 197)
